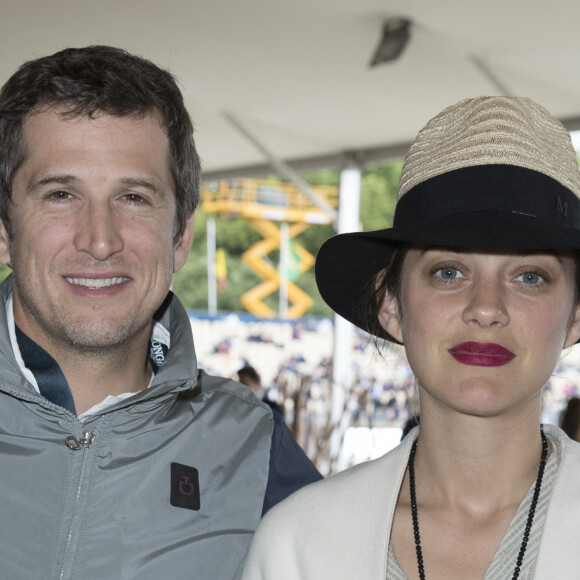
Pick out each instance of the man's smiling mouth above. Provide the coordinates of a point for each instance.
(97, 282)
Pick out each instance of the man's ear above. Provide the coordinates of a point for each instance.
(4, 245)
(573, 334)
(183, 245)
(390, 317)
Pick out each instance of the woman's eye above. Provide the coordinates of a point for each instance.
(449, 273)
(530, 278)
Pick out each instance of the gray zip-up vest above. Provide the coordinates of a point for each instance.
(168, 484)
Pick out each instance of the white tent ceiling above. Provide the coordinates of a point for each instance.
(296, 72)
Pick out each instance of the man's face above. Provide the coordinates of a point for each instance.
(93, 246)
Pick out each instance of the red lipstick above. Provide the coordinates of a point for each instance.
(481, 354)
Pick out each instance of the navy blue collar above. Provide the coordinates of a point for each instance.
(51, 381)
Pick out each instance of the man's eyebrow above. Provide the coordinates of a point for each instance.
(52, 180)
(140, 182)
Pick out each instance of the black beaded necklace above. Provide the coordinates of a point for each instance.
(531, 511)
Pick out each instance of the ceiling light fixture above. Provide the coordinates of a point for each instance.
(393, 40)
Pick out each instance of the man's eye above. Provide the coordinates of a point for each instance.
(60, 195)
(134, 198)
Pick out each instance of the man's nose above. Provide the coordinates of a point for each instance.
(98, 231)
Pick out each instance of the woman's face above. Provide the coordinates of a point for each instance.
(483, 330)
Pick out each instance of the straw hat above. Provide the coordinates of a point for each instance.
(489, 173)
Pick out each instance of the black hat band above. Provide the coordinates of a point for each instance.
(506, 188)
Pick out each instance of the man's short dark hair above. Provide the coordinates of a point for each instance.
(88, 82)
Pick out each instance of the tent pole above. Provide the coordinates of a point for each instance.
(342, 369)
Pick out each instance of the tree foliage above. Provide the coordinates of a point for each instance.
(379, 194)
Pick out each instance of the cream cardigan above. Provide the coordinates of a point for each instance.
(339, 528)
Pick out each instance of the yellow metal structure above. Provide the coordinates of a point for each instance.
(262, 202)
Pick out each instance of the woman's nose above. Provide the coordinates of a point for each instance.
(486, 306)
